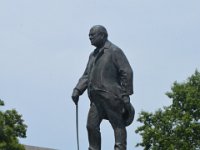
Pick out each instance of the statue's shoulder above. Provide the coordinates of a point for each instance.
(114, 47)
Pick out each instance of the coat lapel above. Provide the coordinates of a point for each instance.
(101, 51)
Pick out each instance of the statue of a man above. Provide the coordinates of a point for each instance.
(108, 79)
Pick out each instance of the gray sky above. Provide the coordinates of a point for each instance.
(44, 48)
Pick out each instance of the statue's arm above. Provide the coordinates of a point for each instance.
(125, 72)
(83, 81)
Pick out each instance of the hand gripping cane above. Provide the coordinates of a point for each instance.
(77, 132)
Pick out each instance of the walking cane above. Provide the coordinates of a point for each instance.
(77, 132)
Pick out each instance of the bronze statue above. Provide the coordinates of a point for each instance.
(108, 79)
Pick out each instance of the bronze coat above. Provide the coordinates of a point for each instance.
(108, 70)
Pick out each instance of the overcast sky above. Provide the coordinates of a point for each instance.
(44, 48)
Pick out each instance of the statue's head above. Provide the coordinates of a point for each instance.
(98, 35)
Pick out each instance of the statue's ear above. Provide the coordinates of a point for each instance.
(102, 36)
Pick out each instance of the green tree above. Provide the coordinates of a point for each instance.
(176, 127)
(11, 127)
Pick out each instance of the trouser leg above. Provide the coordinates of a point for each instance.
(120, 138)
(93, 128)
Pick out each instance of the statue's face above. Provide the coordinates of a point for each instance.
(96, 37)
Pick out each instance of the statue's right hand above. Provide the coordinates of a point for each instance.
(75, 96)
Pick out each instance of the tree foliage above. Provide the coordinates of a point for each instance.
(11, 127)
(176, 127)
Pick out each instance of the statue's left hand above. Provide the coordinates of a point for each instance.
(126, 101)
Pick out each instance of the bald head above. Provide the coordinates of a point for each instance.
(100, 29)
(98, 35)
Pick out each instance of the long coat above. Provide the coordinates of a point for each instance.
(108, 70)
